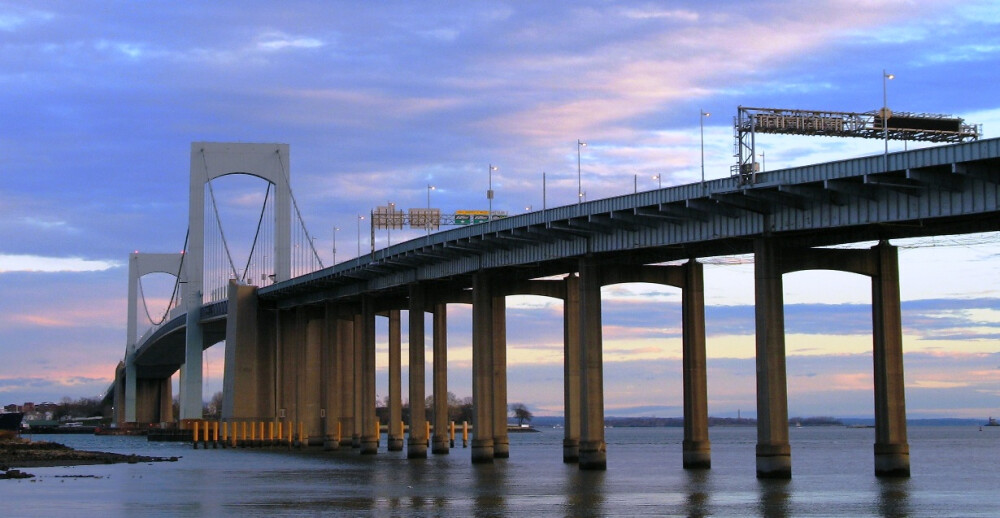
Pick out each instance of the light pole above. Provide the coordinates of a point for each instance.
(335, 229)
(579, 183)
(762, 162)
(360, 217)
(659, 180)
(489, 192)
(428, 217)
(885, 120)
(701, 123)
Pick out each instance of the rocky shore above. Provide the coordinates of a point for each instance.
(22, 453)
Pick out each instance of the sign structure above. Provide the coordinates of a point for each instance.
(387, 217)
(425, 218)
(471, 217)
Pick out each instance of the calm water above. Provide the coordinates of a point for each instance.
(955, 473)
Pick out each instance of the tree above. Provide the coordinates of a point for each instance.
(521, 413)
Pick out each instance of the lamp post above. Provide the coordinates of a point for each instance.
(762, 162)
(335, 229)
(489, 192)
(659, 180)
(360, 217)
(885, 120)
(428, 217)
(579, 183)
(701, 123)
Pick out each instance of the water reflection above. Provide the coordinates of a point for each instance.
(697, 501)
(774, 497)
(490, 484)
(584, 492)
(894, 497)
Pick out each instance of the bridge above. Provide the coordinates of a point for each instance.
(302, 349)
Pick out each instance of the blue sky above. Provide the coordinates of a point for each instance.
(101, 100)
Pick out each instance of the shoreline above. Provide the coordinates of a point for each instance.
(23, 453)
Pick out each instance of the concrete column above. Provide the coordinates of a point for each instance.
(131, 391)
(774, 459)
(191, 371)
(892, 451)
(356, 392)
(501, 444)
(697, 448)
(330, 383)
(395, 431)
(440, 442)
(119, 401)
(369, 438)
(166, 413)
(310, 395)
(571, 369)
(482, 369)
(593, 451)
(416, 447)
(345, 354)
(289, 348)
(248, 372)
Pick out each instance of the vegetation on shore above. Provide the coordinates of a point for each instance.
(17, 452)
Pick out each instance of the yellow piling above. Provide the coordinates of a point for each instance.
(302, 436)
(261, 435)
(281, 431)
(244, 438)
(204, 434)
(232, 436)
(225, 433)
(215, 434)
(338, 432)
(427, 432)
(290, 427)
(378, 432)
(194, 435)
(270, 433)
(465, 434)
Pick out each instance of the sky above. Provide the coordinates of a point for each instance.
(380, 100)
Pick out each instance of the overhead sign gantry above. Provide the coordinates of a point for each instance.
(880, 124)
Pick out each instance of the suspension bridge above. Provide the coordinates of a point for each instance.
(300, 340)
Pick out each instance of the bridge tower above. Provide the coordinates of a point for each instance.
(210, 160)
(140, 265)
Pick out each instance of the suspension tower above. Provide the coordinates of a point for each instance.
(155, 391)
(210, 160)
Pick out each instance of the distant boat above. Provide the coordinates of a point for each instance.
(11, 421)
(992, 422)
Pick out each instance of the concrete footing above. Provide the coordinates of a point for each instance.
(440, 445)
(892, 460)
(774, 461)
(482, 451)
(369, 445)
(416, 449)
(501, 448)
(697, 455)
(571, 451)
(593, 455)
(395, 444)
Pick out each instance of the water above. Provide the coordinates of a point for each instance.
(954, 473)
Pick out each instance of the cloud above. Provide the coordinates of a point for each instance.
(31, 263)
(274, 41)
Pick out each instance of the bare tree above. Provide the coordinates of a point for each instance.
(521, 413)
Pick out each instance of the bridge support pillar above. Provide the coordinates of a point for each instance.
(248, 375)
(571, 369)
(345, 366)
(482, 368)
(892, 452)
(130, 386)
(290, 346)
(593, 451)
(191, 371)
(330, 382)
(773, 451)
(697, 450)
(119, 394)
(369, 421)
(310, 375)
(416, 446)
(501, 443)
(394, 428)
(357, 392)
(441, 441)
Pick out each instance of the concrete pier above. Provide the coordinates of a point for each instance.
(773, 451)
(501, 444)
(697, 449)
(482, 369)
(416, 445)
(345, 366)
(330, 382)
(892, 452)
(593, 451)
(394, 429)
(369, 421)
(571, 369)
(441, 441)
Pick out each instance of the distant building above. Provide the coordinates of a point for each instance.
(11, 408)
(28, 407)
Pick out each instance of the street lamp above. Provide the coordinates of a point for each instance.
(885, 120)
(579, 184)
(428, 217)
(489, 192)
(360, 217)
(701, 122)
(762, 162)
(335, 229)
(659, 180)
